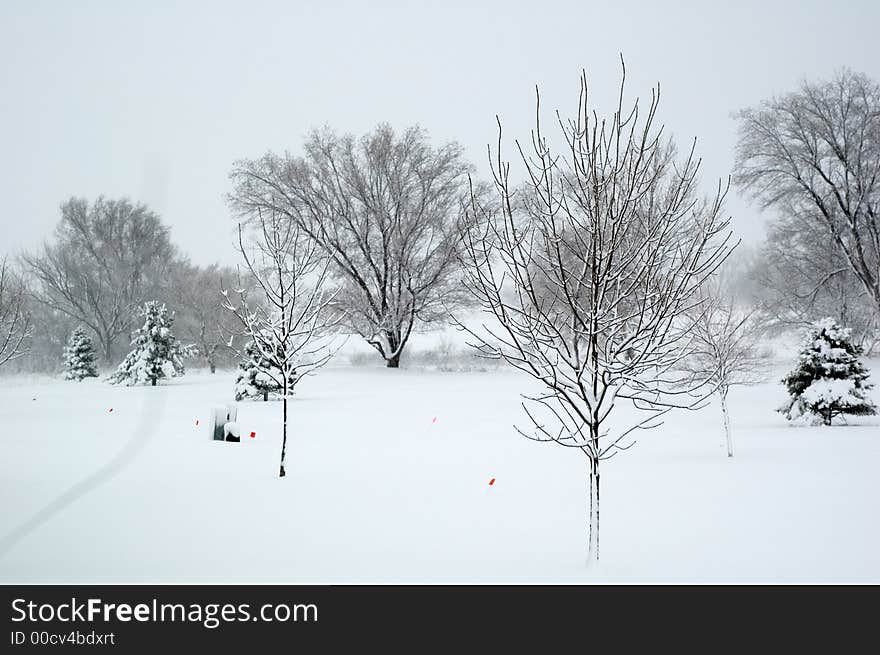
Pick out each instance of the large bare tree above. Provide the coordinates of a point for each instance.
(386, 208)
(587, 272)
(107, 259)
(796, 277)
(815, 155)
(291, 324)
(15, 322)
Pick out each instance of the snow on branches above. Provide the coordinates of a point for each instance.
(258, 375)
(829, 380)
(725, 352)
(155, 353)
(386, 210)
(15, 321)
(79, 356)
(288, 327)
(587, 270)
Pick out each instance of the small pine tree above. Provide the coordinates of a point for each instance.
(829, 379)
(79, 356)
(257, 376)
(156, 353)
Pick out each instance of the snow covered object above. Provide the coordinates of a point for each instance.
(155, 353)
(829, 379)
(79, 356)
(258, 375)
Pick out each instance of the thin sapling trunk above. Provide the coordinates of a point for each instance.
(593, 538)
(726, 415)
(284, 432)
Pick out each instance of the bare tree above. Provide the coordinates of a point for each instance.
(290, 325)
(201, 316)
(107, 260)
(588, 271)
(815, 154)
(15, 322)
(386, 209)
(797, 277)
(726, 347)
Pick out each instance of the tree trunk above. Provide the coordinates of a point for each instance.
(393, 347)
(107, 348)
(726, 416)
(265, 396)
(284, 437)
(593, 543)
(153, 382)
(213, 367)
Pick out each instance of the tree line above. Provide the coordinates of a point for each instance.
(105, 260)
(389, 211)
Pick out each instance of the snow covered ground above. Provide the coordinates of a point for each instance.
(379, 492)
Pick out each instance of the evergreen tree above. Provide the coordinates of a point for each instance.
(258, 375)
(79, 356)
(155, 353)
(829, 379)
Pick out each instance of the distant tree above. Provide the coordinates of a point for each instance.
(386, 209)
(814, 154)
(49, 331)
(588, 271)
(725, 347)
(156, 354)
(200, 316)
(259, 373)
(15, 320)
(289, 324)
(829, 380)
(796, 277)
(106, 260)
(79, 356)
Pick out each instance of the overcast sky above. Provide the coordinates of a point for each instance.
(154, 100)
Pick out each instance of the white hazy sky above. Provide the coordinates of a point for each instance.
(154, 100)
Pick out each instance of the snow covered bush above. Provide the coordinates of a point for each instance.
(829, 379)
(79, 356)
(258, 375)
(156, 353)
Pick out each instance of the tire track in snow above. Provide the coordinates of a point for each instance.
(151, 411)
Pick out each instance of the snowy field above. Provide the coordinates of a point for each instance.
(377, 491)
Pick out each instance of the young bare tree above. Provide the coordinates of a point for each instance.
(726, 347)
(588, 270)
(815, 154)
(108, 258)
(386, 209)
(15, 322)
(290, 325)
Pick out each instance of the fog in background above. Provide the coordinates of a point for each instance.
(155, 100)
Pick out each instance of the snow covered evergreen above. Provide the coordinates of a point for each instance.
(258, 375)
(79, 356)
(156, 354)
(829, 379)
